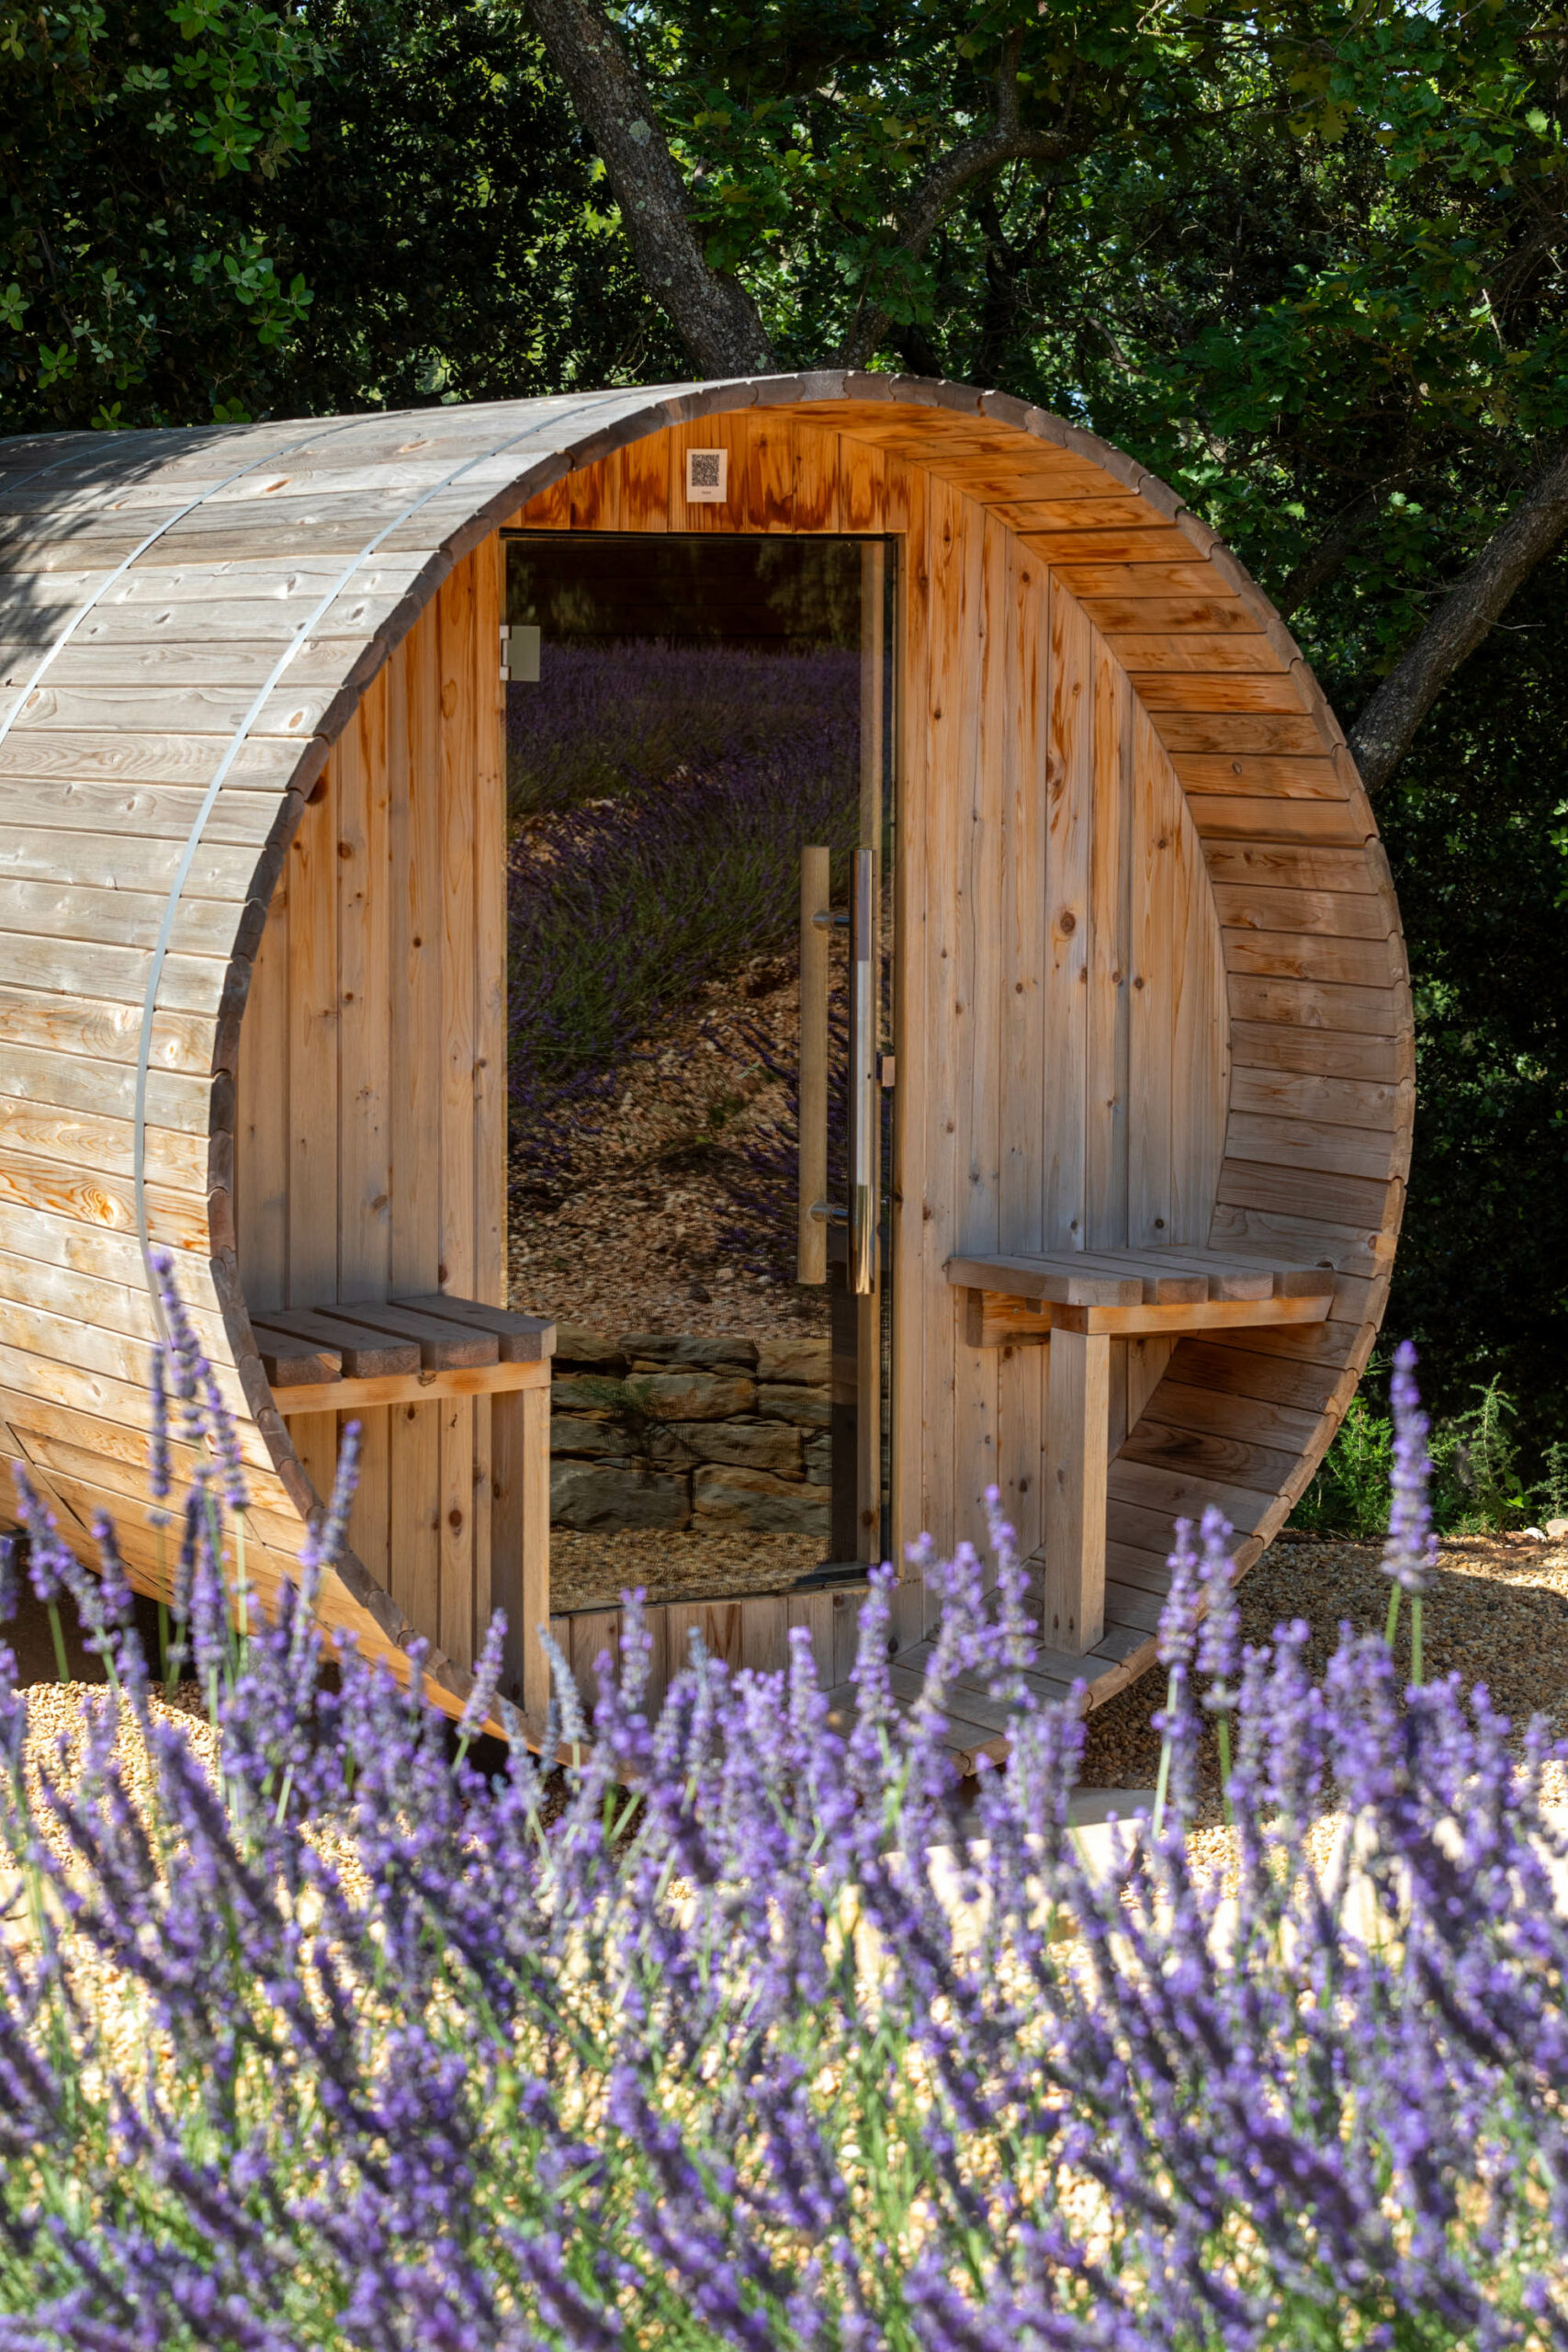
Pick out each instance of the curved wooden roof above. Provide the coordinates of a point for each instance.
(188, 618)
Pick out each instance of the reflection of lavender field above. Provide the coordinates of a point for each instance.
(605, 717)
(621, 909)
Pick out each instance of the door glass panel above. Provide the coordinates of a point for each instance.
(693, 714)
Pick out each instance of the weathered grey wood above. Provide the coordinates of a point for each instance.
(525, 1338)
(445, 1344)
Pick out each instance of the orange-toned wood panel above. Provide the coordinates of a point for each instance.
(1061, 1016)
(371, 1143)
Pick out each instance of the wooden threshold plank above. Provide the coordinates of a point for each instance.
(409, 1388)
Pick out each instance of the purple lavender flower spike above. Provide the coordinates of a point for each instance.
(1410, 1552)
(1219, 1632)
(160, 1475)
(487, 1674)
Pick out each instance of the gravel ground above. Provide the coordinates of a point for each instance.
(635, 1245)
(592, 1571)
(1498, 1613)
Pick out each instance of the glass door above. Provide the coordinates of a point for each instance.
(698, 743)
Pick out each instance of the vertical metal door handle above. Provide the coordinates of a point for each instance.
(811, 1244)
(864, 1104)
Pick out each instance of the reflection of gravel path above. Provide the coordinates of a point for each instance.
(636, 1239)
(592, 1571)
(1497, 1614)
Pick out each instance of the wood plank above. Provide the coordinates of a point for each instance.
(1056, 1277)
(1264, 1469)
(1158, 914)
(1338, 1102)
(1078, 1410)
(174, 1220)
(1290, 865)
(365, 1354)
(490, 924)
(520, 1518)
(952, 718)
(522, 1338)
(764, 1634)
(457, 765)
(1376, 1063)
(446, 1344)
(1311, 1004)
(105, 1031)
(816, 456)
(1165, 653)
(1068, 931)
(407, 1389)
(1200, 1314)
(1310, 1144)
(593, 497)
(1312, 821)
(1136, 547)
(1198, 1029)
(1341, 1200)
(1194, 576)
(1183, 1493)
(455, 1606)
(812, 1614)
(1110, 964)
(179, 1162)
(1255, 1420)
(1260, 777)
(1235, 733)
(1161, 690)
(985, 725)
(49, 1080)
(1164, 615)
(292, 1363)
(414, 840)
(366, 884)
(1357, 1250)
(1306, 955)
(1221, 1367)
(1021, 1384)
(1337, 914)
(645, 484)
(312, 1174)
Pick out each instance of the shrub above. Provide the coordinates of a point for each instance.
(343, 2043)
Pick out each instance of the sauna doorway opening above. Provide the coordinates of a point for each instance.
(695, 723)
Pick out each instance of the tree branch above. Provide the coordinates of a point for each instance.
(1005, 140)
(1320, 563)
(711, 311)
(1386, 728)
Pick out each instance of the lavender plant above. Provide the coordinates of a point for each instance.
(621, 908)
(337, 2041)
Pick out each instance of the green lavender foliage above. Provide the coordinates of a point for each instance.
(1478, 1482)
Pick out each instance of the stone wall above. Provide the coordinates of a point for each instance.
(661, 1429)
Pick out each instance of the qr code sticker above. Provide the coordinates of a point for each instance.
(706, 474)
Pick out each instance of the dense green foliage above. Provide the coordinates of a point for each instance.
(214, 209)
(1304, 261)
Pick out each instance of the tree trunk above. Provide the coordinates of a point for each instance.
(1386, 728)
(711, 311)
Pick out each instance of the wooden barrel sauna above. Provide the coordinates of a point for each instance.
(1151, 1014)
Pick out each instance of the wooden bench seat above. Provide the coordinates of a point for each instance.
(401, 1350)
(351, 1357)
(1078, 1302)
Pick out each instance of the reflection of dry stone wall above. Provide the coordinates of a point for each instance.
(655, 1429)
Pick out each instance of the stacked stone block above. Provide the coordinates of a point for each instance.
(675, 1430)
